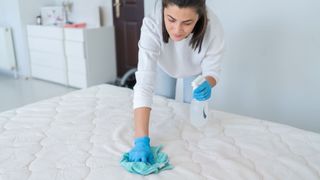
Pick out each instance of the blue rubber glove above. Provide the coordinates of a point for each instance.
(202, 92)
(141, 152)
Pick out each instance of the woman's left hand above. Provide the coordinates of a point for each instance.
(202, 92)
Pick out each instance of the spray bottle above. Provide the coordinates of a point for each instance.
(199, 111)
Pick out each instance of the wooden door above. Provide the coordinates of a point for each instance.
(127, 19)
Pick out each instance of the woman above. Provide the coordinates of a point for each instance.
(180, 40)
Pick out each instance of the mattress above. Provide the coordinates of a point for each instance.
(83, 134)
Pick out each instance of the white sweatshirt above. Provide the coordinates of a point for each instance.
(177, 59)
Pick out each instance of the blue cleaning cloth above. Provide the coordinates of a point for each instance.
(161, 163)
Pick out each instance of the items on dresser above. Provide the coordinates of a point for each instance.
(53, 15)
(76, 25)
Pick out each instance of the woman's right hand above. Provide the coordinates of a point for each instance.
(141, 152)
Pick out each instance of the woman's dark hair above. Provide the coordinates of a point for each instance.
(200, 27)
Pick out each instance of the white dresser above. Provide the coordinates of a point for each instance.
(74, 57)
(47, 54)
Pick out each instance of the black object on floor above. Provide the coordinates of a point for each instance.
(128, 79)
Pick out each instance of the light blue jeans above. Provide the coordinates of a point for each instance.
(166, 86)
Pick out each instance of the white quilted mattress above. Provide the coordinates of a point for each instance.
(82, 135)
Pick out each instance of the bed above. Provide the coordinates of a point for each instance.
(83, 134)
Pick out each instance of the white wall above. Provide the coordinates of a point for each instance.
(2, 14)
(149, 6)
(17, 14)
(10, 17)
(80, 6)
(272, 61)
(106, 6)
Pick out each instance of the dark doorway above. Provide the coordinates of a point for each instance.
(127, 19)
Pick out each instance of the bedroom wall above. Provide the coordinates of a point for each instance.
(17, 14)
(271, 64)
(105, 5)
(2, 14)
(10, 17)
(107, 8)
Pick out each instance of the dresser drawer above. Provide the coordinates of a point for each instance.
(76, 65)
(49, 32)
(71, 34)
(50, 74)
(78, 80)
(48, 60)
(46, 45)
(75, 49)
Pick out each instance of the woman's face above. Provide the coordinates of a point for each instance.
(179, 22)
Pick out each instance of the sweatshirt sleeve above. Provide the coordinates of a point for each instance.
(211, 64)
(149, 51)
